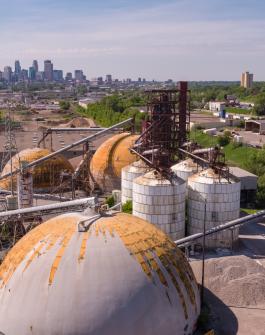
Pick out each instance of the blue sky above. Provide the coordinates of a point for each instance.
(179, 39)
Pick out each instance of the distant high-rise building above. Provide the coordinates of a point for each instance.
(247, 79)
(1, 75)
(35, 65)
(100, 81)
(24, 74)
(39, 76)
(17, 67)
(139, 80)
(109, 79)
(32, 73)
(79, 76)
(48, 70)
(57, 75)
(7, 73)
(69, 76)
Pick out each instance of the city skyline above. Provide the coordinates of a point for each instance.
(187, 40)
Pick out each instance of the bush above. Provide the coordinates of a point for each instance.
(227, 133)
(110, 201)
(127, 207)
(223, 140)
(65, 105)
(256, 165)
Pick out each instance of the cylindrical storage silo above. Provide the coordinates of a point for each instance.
(213, 200)
(128, 174)
(161, 202)
(185, 169)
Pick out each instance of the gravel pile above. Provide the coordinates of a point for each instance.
(236, 280)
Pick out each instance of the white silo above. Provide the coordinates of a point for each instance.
(128, 174)
(213, 200)
(161, 202)
(186, 168)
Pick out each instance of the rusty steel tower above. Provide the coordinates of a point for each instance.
(166, 127)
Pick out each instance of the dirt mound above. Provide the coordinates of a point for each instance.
(236, 280)
(80, 122)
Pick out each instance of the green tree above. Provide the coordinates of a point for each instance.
(65, 105)
(259, 108)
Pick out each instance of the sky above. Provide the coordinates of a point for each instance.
(176, 39)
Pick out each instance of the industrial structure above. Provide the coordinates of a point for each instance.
(213, 200)
(113, 274)
(40, 170)
(128, 174)
(119, 271)
(46, 175)
(109, 159)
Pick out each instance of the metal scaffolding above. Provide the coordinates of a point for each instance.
(166, 128)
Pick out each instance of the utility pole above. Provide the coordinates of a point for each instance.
(203, 254)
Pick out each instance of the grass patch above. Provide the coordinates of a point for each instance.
(239, 110)
(204, 140)
(236, 156)
(249, 211)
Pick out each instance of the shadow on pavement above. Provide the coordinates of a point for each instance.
(221, 317)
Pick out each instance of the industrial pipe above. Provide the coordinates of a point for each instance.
(68, 147)
(44, 196)
(50, 130)
(183, 242)
(86, 202)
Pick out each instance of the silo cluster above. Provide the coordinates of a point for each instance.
(162, 202)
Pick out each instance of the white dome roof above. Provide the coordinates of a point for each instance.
(122, 276)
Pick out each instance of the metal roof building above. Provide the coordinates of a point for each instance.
(256, 126)
(249, 183)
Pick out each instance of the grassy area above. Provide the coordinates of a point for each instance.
(203, 139)
(239, 110)
(249, 211)
(237, 156)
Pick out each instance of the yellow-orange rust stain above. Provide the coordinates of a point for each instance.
(68, 235)
(51, 231)
(83, 246)
(34, 254)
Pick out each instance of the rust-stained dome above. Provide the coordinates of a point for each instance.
(110, 158)
(45, 175)
(121, 276)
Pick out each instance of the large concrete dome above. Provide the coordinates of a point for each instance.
(110, 158)
(120, 276)
(45, 175)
